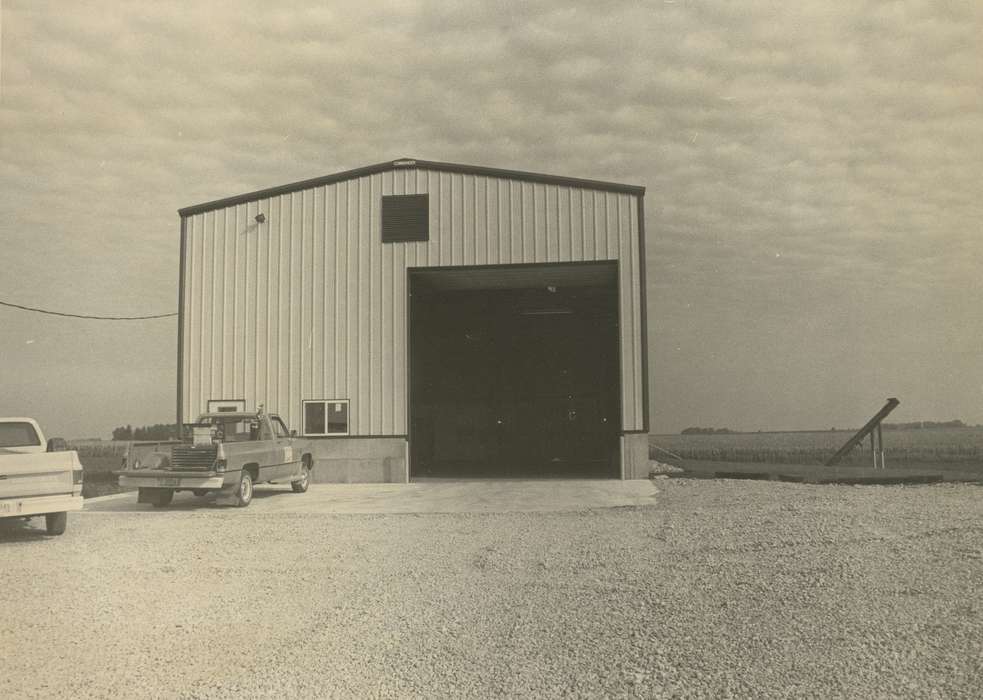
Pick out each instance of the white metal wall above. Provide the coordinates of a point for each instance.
(311, 304)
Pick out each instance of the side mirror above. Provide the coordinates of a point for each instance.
(57, 445)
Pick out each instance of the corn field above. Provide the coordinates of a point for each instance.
(99, 448)
(943, 446)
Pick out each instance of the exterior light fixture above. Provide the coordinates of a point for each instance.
(260, 218)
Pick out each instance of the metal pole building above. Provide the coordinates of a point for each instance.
(426, 318)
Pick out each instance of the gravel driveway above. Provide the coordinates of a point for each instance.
(720, 588)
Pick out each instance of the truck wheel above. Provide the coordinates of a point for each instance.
(200, 492)
(244, 494)
(163, 498)
(55, 523)
(300, 486)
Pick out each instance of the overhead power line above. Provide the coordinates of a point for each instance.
(98, 318)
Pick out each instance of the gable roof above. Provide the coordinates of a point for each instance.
(409, 163)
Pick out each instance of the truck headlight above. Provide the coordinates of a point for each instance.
(219, 465)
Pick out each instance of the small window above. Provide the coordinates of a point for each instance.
(326, 417)
(405, 217)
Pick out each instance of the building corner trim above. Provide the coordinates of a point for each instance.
(180, 323)
(642, 266)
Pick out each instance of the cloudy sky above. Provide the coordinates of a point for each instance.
(814, 200)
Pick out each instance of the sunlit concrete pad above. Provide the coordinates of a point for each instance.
(425, 496)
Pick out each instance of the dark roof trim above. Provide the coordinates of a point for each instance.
(412, 163)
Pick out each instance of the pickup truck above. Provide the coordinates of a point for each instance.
(37, 477)
(224, 453)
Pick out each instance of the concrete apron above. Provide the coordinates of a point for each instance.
(424, 496)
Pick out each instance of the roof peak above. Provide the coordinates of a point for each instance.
(481, 170)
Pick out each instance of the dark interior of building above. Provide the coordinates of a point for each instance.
(514, 371)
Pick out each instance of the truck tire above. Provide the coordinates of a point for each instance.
(244, 493)
(163, 498)
(200, 492)
(55, 523)
(300, 486)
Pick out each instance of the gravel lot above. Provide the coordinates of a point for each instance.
(722, 588)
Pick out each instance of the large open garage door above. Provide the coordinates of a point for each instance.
(514, 371)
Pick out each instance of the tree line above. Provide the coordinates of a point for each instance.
(925, 424)
(916, 425)
(160, 431)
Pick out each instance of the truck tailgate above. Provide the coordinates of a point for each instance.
(42, 474)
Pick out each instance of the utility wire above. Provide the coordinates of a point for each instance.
(99, 318)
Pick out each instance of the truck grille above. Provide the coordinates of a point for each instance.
(189, 458)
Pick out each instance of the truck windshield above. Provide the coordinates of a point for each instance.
(18, 435)
(233, 429)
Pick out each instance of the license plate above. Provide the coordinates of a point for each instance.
(169, 481)
(10, 508)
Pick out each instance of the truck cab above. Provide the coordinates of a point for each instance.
(37, 476)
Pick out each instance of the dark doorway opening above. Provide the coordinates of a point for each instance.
(514, 371)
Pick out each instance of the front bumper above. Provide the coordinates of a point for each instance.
(164, 479)
(36, 505)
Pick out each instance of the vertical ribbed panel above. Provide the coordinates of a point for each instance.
(311, 304)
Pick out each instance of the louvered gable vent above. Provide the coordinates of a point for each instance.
(405, 218)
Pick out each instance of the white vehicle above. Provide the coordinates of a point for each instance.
(37, 477)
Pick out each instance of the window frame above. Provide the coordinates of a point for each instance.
(32, 431)
(327, 421)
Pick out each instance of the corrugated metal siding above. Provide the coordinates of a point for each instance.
(312, 305)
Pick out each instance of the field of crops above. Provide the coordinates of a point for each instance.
(99, 458)
(956, 448)
(949, 446)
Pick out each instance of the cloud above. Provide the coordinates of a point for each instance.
(812, 168)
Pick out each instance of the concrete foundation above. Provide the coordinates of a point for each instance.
(635, 455)
(383, 460)
(355, 460)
